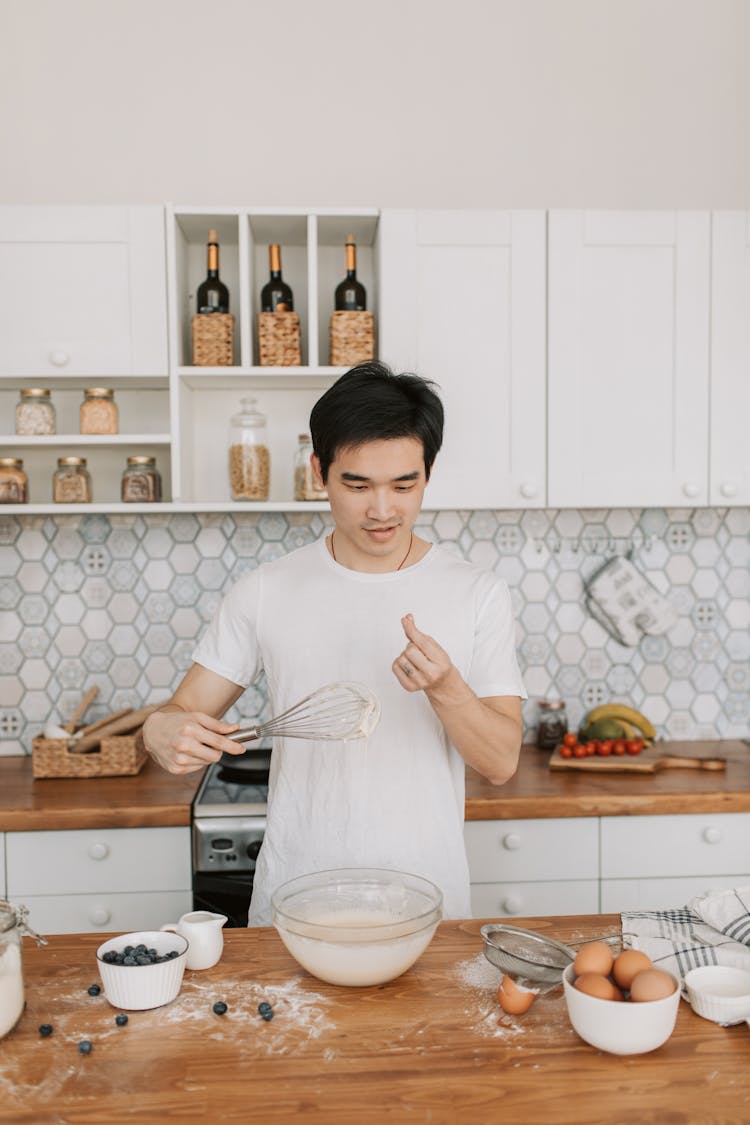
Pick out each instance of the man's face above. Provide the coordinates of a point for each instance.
(375, 491)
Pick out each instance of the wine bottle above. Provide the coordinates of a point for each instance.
(350, 293)
(213, 295)
(276, 296)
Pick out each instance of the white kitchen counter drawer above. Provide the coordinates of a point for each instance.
(2, 865)
(520, 850)
(700, 844)
(110, 913)
(662, 894)
(95, 860)
(507, 900)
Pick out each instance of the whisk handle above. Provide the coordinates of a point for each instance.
(249, 734)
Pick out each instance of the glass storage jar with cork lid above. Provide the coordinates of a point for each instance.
(553, 723)
(306, 486)
(35, 413)
(71, 482)
(141, 481)
(14, 484)
(249, 455)
(98, 413)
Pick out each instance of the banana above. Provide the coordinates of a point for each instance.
(631, 731)
(624, 714)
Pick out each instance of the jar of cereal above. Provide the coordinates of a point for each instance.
(306, 485)
(98, 412)
(14, 484)
(71, 483)
(141, 481)
(35, 413)
(249, 455)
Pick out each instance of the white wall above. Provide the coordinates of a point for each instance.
(511, 103)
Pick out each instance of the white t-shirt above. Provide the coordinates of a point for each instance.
(396, 801)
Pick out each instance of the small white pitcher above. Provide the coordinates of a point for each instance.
(203, 933)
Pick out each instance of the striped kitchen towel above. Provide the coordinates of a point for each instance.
(713, 929)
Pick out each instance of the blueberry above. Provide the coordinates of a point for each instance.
(142, 959)
(128, 950)
(45, 1029)
(220, 1007)
(264, 1007)
(93, 990)
(85, 1047)
(152, 953)
(121, 1019)
(173, 953)
(129, 960)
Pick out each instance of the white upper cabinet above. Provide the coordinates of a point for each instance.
(628, 358)
(462, 302)
(82, 291)
(730, 359)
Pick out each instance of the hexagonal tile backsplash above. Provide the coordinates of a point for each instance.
(119, 601)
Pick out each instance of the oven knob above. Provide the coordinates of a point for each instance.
(253, 849)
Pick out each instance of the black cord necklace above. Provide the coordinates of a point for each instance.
(411, 543)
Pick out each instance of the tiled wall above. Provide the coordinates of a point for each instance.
(119, 601)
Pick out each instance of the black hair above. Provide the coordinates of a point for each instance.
(370, 402)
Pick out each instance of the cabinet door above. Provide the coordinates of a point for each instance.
(730, 358)
(82, 291)
(532, 850)
(462, 302)
(662, 894)
(2, 865)
(704, 844)
(118, 913)
(628, 358)
(527, 900)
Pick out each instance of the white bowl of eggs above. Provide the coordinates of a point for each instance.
(622, 1005)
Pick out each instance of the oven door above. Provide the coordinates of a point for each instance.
(224, 893)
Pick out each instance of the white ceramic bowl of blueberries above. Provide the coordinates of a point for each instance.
(142, 970)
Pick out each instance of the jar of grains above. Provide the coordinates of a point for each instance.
(141, 481)
(553, 723)
(98, 411)
(35, 413)
(71, 483)
(249, 456)
(14, 484)
(306, 486)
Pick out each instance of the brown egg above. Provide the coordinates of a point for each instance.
(593, 984)
(629, 963)
(513, 999)
(651, 984)
(596, 957)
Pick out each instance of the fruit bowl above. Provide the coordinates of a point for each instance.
(620, 1027)
(357, 926)
(137, 987)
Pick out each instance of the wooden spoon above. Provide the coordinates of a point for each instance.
(81, 709)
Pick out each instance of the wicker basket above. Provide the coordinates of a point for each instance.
(213, 339)
(116, 756)
(278, 339)
(352, 338)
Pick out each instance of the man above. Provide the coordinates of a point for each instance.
(430, 634)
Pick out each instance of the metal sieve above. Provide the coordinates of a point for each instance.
(525, 953)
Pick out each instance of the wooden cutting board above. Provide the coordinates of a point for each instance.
(650, 760)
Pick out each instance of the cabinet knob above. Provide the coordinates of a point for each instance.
(512, 841)
(98, 851)
(511, 904)
(529, 490)
(691, 489)
(59, 357)
(728, 488)
(712, 835)
(99, 916)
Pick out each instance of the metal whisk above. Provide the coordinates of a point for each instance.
(334, 713)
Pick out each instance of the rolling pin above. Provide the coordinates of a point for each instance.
(123, 725)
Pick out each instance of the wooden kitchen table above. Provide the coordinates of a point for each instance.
(432, 1046)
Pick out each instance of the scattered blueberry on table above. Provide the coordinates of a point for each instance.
(220, 1007)
(85, 1047)
(266, 1011)
(121, 1019)
(45, 1029)
(93, 990)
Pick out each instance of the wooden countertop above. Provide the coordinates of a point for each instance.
(156, 798)
(430, 1046)
(151, 798)
(536, 791)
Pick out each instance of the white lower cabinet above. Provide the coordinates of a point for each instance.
(584, 865)
(530, 867)
(2, 865)
(109, 879)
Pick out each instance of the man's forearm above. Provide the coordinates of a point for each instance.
(487, 740)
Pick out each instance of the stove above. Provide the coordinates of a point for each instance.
(229, 822)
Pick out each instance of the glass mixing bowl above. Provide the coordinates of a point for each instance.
(357, 926)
